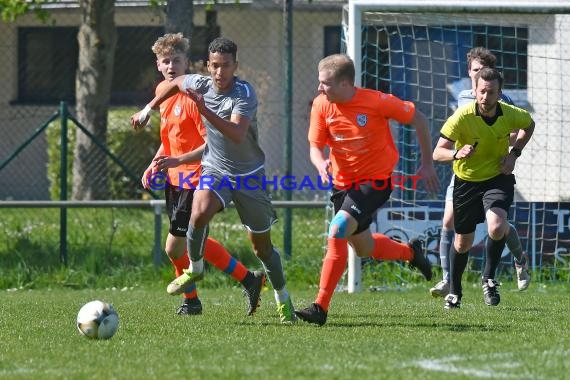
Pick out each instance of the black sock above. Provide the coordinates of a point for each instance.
(247, 279)
(493, 251)
(457, 265)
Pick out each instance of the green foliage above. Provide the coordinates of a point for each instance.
(394, 334)
(114, 247)
(10, 10)
(134, 149)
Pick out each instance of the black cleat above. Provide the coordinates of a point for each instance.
(191, 306)
(491, 292)
(452, 301)
(420, 261)
(313, 314)
(253, 291)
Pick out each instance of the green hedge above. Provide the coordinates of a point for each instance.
(135, 149)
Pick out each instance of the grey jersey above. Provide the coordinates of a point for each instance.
(221, 153)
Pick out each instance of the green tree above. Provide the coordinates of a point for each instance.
(97, 38)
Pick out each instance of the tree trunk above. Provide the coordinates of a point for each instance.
(97, 39)
(179, 17)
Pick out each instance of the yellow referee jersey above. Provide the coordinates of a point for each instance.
(467, 127)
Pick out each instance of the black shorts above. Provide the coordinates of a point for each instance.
(362, 200)
(178, 207)
(472, 200)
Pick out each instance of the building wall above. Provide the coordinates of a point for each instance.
(258, 31)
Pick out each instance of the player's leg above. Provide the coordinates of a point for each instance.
(271, 260)
(256, 213)
(386, 248)
(204, 206)
(441, 289)
(216, 254)
(342, 225)
(369, 197)
(468, 211)
(458, 258)
(497, 200)
(520, 258)
(178, 203)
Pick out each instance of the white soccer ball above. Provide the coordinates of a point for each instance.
(97, 320)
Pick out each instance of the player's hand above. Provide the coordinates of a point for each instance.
(146, 175)
(197, 98)
(324, 171)
(507, 164)
(162, 163)
(429, 176)
(466, 151)
(139, 120)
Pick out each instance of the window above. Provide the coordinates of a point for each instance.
(332, 40)
(47, 62)
(48, 58)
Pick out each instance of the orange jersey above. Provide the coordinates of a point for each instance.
(358, 133)
(181, 131)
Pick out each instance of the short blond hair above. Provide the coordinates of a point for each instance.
(340, 65)
(171, 43)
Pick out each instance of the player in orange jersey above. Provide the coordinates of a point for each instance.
(353, 123)
(177, 162)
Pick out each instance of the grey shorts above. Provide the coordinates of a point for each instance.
(249, 194)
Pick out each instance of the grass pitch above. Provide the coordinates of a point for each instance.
(393, 334)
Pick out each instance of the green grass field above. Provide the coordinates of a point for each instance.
(395, 334)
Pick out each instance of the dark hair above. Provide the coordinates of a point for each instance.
(489, 74)
(223, 45)
(479, 53)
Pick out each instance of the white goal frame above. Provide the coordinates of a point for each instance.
(353, 13)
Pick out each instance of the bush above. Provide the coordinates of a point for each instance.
(134, 149)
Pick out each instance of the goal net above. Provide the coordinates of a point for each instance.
(417, 51)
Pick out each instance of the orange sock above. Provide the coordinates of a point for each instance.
(332, 270)
(388, 249)
(217, 255)
(179, 264)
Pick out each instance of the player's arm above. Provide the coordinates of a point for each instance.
(523, 137)
(234, 129)
(139, 119)
(513, 135)
(320, 161)
(164, 162)
(194, 155)
(426, 170)
(151, 168)
(445, 152)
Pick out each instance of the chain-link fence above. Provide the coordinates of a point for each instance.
(40, 61)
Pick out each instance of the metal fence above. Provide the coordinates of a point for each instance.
(40, 62)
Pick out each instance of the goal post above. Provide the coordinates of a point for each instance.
(417, 50)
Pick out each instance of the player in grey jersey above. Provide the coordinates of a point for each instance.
(228, 106)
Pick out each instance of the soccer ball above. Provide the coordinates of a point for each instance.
(97, 320)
